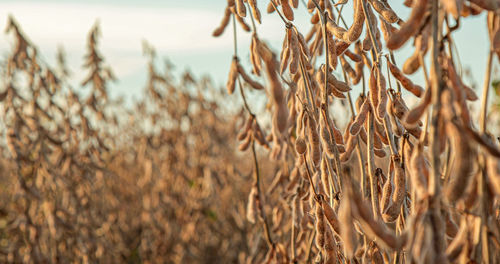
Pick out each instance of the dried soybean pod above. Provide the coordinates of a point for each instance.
(385, 12)
(246, 143)
(331, 217)
(337, 135)
(469, 93)
(233, 74)
(347, 67)
(338, 85)
(246, 127)
(353, 33)
(285, 52)
(382, 96)
(455, 246)
(248, 79)
(419, 171)
(347, 230)
(341, 46)
(372, 85)
(242, 23)
(295, 51)
(412, 64)
(336, 30)
(416, 113)
(360, 118)
(252, 207)
(353, 56)
(349, 147)
(303, 44)
(287, 10)
(326, 140)
(320, 224)
(255, 10)
(405, 82)
(240, 8)
(332, 51)
(254, 55)
(330, 247)
(410, 27)
(464, 164)
(223, 24)
(313, 136)
(300, 145)
(386, 190)
(398, 195)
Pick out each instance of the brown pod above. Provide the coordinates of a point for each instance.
(387, 29)
(405, 82)
(248, 79)
(382, 96)
(414, 115)
(246, 143)
(347, 67)
(223, 24)
(356, 28)
(295, 51)
(240, 8)
(372, 85)
(399, 193)
(341, 46)
(233, 74)
(349, 147)
(386, 190)
(287, 10)
(252, 207)
(254, 55)
(410, 27)
(332, 52)
(285, 51)
(385, 11)
(360, 118)
(419, 171)
(241, 21)
(246, 127)
(300, 145)
(255, 10)
(331, 254)
(270, 7)
(337, 135)
(314, 140)
(326, 140)
(331, 217)
(463, 168)
(353, 56)
(320, 225)
(336, 30)
(303, 45)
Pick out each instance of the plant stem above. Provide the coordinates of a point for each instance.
(484, 99)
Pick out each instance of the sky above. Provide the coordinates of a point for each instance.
(180, 31)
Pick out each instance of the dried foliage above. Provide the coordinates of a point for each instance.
(87, 179)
